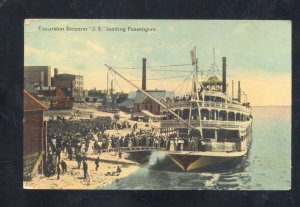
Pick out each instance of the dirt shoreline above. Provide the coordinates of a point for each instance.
(73, 178)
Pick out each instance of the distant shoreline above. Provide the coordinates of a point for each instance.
(272, 106)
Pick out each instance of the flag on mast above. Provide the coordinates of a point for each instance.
(193, 55)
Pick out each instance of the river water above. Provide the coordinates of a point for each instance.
(267, 166)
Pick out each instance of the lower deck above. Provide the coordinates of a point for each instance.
(210, 153)
(211, 139)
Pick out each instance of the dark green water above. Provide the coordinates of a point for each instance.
(266, 167)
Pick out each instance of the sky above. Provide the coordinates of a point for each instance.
(258, 53)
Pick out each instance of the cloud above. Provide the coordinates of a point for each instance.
(91, 45)
(42, 53)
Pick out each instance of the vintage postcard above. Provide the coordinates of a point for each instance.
(157, 104)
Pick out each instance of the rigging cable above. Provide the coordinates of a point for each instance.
(117, 83)
(160, 78)
(179, 92)
(187, 86)
(184, 80)
(157, 66)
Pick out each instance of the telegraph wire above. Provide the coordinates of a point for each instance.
(164, 66)
(160, 78)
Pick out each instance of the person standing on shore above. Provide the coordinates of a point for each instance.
(58, 171)
(70, 152)
(85, 168)
(119, 170)
(78, 159)
(97, 163)
(63, 166)
(58, 151)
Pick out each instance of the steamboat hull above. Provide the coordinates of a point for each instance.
(189, 161)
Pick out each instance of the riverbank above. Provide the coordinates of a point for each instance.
(73, 178)
(85, 110)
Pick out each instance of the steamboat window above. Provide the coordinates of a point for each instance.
(186, 113)
(229, 135)
(238, 117)
(217, 99)
(213, 115)
(206, 98)
(223, 115)
(208, 133)
(231, 116)
(195, 114)
(204, 114)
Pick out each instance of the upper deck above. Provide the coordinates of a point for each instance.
(209, 104)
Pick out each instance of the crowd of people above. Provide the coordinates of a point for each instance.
(148, 139)
(179, 98)
(186, 97)
(73, 137)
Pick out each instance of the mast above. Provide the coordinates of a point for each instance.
(158, 102)
(197, 91)
(196, 83)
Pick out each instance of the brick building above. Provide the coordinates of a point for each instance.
(142, 102)
(38, 75)
(58, 98)
(72, 82)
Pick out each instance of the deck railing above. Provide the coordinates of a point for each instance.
(204, 123)
(208, 104)
(178, 104)
(221, 147)
(128, 149)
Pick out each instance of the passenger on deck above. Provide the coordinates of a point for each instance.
(172, 146)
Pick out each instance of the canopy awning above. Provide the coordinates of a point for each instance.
(147, 113)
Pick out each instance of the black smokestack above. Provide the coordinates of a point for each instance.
(55, 72)
(239, 91)
(144, 75)
(232, 87)
(224, 75)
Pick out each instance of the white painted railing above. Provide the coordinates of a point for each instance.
(128, 149)
(209, 104)
(204, 123)
(221, 146)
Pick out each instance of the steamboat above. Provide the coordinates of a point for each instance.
(219, 126)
